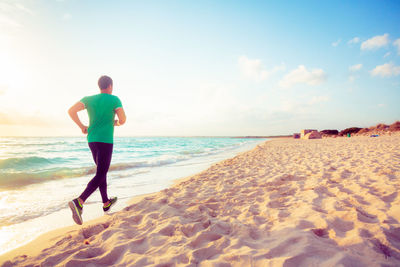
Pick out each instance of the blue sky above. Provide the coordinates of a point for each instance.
(201, 67)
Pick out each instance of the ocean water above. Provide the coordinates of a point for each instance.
(39, 175)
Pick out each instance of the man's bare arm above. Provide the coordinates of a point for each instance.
(73, 113)
(121, 117)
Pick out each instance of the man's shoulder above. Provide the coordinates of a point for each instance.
(115, 98)
(98, 97)
(91, 97)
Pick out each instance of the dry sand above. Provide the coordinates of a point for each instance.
(326, 202)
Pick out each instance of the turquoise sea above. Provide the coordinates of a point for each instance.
(39, 175)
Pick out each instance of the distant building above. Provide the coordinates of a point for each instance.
(306, 131)
(313, 135)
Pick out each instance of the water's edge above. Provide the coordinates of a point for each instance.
(93, 216)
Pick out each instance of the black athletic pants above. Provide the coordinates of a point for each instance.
(102, 153)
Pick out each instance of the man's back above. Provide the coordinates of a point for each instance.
(101, 110)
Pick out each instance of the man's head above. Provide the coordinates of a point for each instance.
(105, 83)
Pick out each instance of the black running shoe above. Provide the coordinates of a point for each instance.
(76, 209)
(112, 200)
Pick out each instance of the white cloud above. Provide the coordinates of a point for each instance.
(302, 75)
(334, 44)
(386, 70)
(277, 68)
(397, 44)
(67, 16)
(355, 67)
(381, 105)
(318, 99)
(254, 69)
(387, 54)
(352, 78)
(375, 42)
(24, 8)
(6, 21)
(11, 14)
(354, 40)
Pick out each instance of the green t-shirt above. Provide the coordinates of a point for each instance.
(101, 110)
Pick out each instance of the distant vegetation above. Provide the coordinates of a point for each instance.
(351, 130)
(377, 129)
(330, 132)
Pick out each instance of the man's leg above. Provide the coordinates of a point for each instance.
(94, 150)
(106, 160)
(102, 153)
(103, 190)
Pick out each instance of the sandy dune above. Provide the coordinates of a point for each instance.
(327, 202)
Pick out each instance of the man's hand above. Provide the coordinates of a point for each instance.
(84, 129)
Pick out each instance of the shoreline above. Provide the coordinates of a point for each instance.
(330, 201)
(33, 246)
(140, 181)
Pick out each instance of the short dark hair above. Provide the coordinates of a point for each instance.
(104, 82)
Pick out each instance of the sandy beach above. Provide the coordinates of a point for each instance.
(287, 202)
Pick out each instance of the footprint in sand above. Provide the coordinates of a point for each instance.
(346, 174)
(93, 230)
(393, 236)
(191, 229)
(388, 199)
(320, 232)
(279, 203)
(204, 238)
(364, 216)
(168, 230)
(341, 226)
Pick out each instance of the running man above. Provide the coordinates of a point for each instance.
(101, 109)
